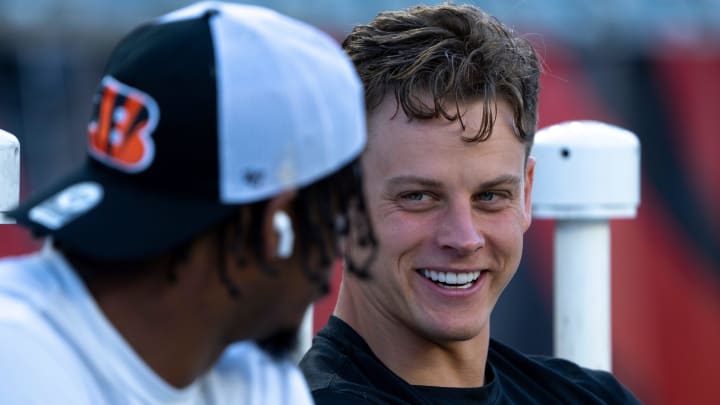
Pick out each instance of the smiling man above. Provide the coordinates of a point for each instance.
(451, 96)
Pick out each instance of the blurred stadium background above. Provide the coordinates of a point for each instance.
(652, 66)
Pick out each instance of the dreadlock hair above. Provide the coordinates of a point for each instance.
(321, 216)
(454, 53)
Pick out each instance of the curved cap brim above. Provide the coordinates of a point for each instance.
(102, 216)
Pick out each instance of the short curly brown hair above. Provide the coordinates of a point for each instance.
(454, 53)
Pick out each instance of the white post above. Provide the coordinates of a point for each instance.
(305, 335)
(582, 292)
(587, 173)
(9, 174)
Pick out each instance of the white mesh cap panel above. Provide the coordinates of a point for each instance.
(290, 104)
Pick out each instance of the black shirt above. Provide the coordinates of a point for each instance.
(341, 369)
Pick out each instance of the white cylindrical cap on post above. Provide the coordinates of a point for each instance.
(587, 173)
(586, 170)
(9, 173)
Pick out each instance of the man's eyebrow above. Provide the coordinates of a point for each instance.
(412, 180)
(505, 179)
(502, 180)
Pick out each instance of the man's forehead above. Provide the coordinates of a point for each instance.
(389, 113)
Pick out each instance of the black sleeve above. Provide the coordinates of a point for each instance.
(601, 383)
(615, 391)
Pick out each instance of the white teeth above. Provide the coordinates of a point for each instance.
(454, 280)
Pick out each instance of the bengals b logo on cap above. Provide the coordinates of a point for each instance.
(120, 132)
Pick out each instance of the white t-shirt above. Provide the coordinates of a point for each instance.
(56, 347)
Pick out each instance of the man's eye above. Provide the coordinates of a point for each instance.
(414, 196)
(487, 196)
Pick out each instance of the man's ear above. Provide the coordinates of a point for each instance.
(277, 228)
(529, 178)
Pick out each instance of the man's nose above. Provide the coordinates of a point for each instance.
(459, 230)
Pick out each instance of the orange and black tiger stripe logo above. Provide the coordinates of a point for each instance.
(120, 132)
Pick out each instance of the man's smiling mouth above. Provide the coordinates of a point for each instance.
(450, 279)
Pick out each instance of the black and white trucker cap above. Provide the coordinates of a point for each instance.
(203, 109)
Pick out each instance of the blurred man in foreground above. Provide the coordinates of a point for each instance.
(221, 157)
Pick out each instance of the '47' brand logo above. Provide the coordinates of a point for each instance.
(124, 119)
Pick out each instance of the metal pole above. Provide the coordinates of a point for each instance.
(305, 335)
(582, 292)
(9, 174)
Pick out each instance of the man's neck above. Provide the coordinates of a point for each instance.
(169, 337)
(416, 358)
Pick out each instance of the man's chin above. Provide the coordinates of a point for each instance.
(280, 344)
